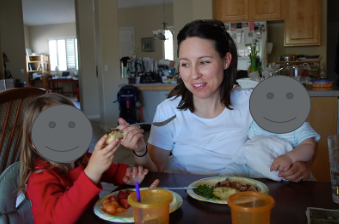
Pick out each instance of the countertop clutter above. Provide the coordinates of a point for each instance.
(147, 70)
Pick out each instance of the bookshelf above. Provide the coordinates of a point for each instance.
(37, 67)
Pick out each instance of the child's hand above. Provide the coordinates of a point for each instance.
(101, 159)
(281, 163)
(135, 174)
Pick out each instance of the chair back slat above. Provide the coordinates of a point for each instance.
(14, 150)
(3, 136)
(12, 106)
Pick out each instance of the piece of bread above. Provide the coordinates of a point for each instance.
(113, 135)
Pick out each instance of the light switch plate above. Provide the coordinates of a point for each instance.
(106, 68)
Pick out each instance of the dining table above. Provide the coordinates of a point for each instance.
(291, 200)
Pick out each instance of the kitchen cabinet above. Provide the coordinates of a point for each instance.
(246, 10)
(323, 119)
(230, 10)
(302, 23)
(264, 10)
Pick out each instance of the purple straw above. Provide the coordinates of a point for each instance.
(137, 190)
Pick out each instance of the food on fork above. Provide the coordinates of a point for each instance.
(115, 134)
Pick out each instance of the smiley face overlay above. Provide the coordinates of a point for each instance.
(62, 133)
(280, 104)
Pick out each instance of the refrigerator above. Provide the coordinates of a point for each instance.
(245, 35)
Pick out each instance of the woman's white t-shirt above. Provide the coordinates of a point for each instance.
(202, 145)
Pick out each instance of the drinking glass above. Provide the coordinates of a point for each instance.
(333, 153)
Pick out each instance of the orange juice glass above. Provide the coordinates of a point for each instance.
(153, 207)
(250, 207)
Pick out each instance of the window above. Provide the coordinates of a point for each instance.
(63, 54)
(168, 46)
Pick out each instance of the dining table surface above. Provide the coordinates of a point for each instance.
(291, 200)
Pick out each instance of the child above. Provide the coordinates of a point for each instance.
(61, 192)
(251, 158)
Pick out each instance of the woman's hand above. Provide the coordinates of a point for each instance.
(299, 171)
(134, 136)
(101, 159)
(135, 174)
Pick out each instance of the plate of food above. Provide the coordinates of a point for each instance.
(217, 189)
(122, 211)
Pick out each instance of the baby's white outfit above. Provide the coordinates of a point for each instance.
(255, 157)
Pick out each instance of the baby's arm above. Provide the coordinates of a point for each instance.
(305, 152)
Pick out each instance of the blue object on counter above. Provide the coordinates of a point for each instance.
(322, 80)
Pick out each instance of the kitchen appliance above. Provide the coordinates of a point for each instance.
(287, 57)
(245, 35)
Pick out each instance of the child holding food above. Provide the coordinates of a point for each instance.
(61, 192)
(266, 154)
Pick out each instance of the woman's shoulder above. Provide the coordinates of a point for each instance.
(172, 102)
(240, 96)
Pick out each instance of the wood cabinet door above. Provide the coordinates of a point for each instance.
(230, 10)
(264, 10)
(302, 22)
(323, 119)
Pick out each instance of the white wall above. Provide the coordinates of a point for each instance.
(88, 81)
(39, 35)
(12, 37)
(144, 25)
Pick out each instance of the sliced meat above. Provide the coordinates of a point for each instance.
(236, 185)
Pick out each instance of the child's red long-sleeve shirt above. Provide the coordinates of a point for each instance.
(58, 198)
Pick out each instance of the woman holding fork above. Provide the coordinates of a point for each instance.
(212, 118)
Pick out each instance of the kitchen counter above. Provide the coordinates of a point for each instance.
(323, 118)
(334, 91)
(152, 86)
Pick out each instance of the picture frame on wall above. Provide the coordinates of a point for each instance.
(147, 44)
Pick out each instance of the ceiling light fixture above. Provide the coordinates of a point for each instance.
(160, 34)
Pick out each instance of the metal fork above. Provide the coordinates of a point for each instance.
(162, 123)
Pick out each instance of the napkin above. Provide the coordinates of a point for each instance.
(259, 153)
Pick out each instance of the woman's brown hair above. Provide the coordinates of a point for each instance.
(28, 154)
(215, 31)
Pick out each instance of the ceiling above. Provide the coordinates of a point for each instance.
(45, 12)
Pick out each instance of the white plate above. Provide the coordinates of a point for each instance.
(211, 181)
(127, 217)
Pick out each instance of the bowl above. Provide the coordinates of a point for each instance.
(246, 83)
(287, 57)
(322, 83)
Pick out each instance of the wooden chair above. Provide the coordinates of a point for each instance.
(12, 105)
(51, 87)
(9, 211)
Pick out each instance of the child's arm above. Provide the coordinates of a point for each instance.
(305, 152)
(101, 159)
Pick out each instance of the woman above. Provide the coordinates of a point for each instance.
(212, 118)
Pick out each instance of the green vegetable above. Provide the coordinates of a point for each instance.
(205, 191)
